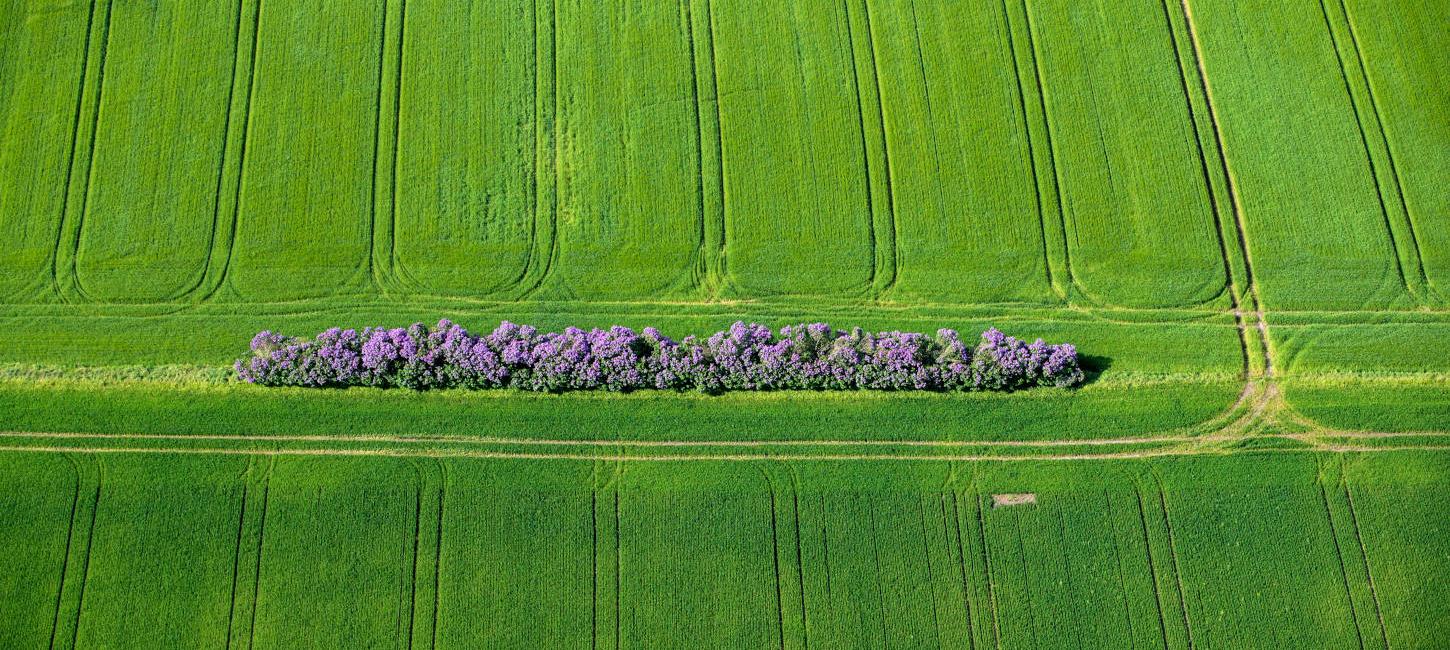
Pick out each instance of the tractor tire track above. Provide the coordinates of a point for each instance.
(888, 263)
(66, 552)
(1343, 570)
(1173, 558)
(438, 553)
(1152, 568)
(1215, 205)
(217, 283)
(206, 267)
(1056, 174)
(956, 519)
(619, 458)
(1374, 172)
(1047, 261)
(73, 225)
(257, 566)
(857, 91)
(1389, 150)
(931, 573)
(987, 565)
(61, 221)
(1364, 557)
(237, 555)
(702, 267)
(543, 226)
(775, 563)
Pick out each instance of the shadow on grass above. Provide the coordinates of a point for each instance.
(1093, 367)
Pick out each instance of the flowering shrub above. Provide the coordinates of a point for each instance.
(746, 357)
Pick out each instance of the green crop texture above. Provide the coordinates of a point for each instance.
(146, 549)
(1237, 210)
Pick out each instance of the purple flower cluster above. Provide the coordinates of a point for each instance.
(746, 357)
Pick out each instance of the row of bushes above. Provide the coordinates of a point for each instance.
(745, 357)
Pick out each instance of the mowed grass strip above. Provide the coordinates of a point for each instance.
(798, 218)
(965, 199)
(304, 223)
(1317, 231)
(1139, 220)
(150, 211)
(1123, 412)
(466, 147)
(42, 56)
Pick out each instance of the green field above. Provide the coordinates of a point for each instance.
(1236, 209)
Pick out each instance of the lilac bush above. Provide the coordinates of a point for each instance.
(748, 356)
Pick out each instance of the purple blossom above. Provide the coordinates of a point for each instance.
(747, 356)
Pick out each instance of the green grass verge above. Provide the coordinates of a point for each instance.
(1091, 412)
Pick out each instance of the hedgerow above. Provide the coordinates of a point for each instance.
(750, 356)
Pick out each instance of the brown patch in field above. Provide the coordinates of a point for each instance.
(1013, 499)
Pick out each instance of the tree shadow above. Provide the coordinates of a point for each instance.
(1093, 366)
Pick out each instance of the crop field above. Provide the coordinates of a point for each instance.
(1236, 210)
(464, 552)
